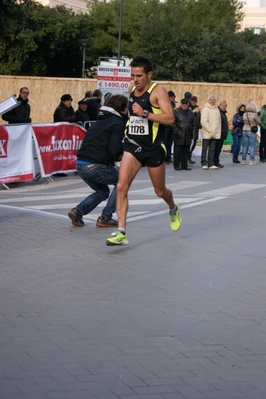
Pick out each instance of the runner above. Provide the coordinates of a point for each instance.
(150, 109)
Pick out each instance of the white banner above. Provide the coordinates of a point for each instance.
(114, 79)
(16, 161)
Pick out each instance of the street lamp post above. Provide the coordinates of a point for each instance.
(84, 43)
(120, 32)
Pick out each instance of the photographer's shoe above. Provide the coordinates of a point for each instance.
(106, 222)
(75, 217)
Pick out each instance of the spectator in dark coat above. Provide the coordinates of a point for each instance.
(183, 133)
(168, 131)
(220, 142)
(94, 104)
(20, 114)
(81, 113)
(65, 112)
(195, 108)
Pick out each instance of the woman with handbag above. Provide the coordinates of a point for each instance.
(237, 131)
(250, 128)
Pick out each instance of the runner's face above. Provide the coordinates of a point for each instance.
(140, 78)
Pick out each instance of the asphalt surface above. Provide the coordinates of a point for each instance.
(172, 315)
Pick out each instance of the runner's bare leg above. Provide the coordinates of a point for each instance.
(157, 176)
(129, 167)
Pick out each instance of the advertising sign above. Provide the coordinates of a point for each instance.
(114, 79)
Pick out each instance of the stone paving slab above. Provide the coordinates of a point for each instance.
(170, 316)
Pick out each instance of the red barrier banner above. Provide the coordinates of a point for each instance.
(16, 160)
(56, 146)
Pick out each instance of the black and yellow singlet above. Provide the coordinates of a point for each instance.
(147, 134)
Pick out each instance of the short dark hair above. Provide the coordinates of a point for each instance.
(88, 93)
(97, 93)
(141, 61)
(118, 102)
(24, 87)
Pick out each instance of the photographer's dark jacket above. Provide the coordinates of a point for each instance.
(20, 114)
(183, 126)
(102, 143)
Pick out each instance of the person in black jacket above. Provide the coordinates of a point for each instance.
(20, 114)
(65, 112)
(81, 113)
(101, 148)
(94, 104)
(196, 110)
(183, 132)
(219, 143)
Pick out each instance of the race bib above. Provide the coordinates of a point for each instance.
(138, 126)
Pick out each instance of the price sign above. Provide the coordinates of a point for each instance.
(114, 79)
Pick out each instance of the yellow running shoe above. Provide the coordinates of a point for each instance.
(118, 238)
(175, 219)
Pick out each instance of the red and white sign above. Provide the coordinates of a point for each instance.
(114, 79)
(56, 146)
(16, 160)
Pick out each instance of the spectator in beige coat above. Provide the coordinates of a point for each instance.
(211, 131)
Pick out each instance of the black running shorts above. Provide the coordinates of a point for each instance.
(151, 158)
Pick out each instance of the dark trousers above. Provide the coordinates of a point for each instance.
(218, 148)
(237, 140)
(168, 141)
(262, 148)
(192, 148)
(181, 153)
(208, 145)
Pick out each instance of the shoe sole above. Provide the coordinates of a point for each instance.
(74, 221)
(113, 244)
(105, 225)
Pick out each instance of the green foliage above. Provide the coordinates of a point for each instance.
(41, 41)
(187, 40)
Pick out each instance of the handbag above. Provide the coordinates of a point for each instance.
(253, 129)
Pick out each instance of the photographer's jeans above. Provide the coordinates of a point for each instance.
(249, 141)
(98, 177)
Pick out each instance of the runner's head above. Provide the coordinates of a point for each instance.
(141, 72)
(142, 62)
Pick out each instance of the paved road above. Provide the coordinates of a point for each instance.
(173, 315)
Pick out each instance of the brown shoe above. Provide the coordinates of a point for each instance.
(220, 166)
(191, 162)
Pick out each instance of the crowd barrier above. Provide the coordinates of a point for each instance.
(54, 145)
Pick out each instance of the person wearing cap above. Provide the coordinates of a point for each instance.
(211, 132)
(81, 113)
(168, 132)
(188, 96)
(107, 96)
(65, 112)
(183, 131)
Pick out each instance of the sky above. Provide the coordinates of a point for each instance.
(252, 3)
